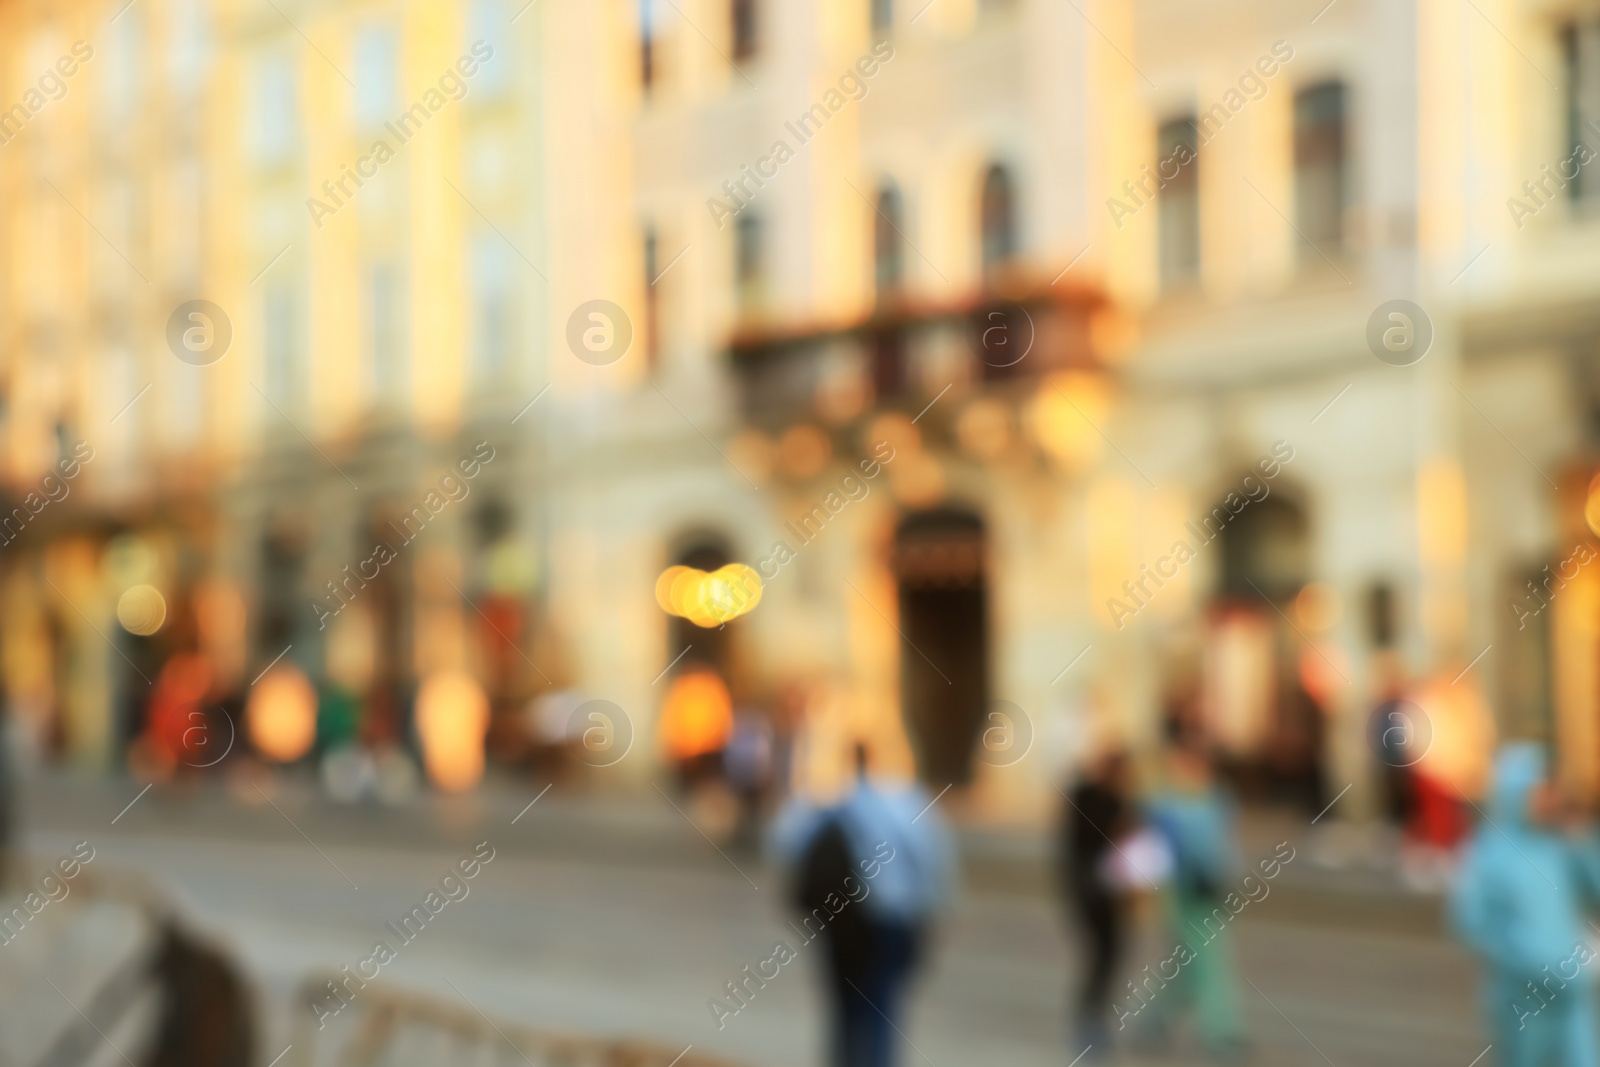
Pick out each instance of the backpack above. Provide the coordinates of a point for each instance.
(823, 867)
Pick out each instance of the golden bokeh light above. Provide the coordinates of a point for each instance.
(1065, 417)
(984, 428)
(897, 429)
(697, 715)
(709, 600)
(664, 588)
(142, 610)
(685, 591)
(282, 714)
(753, 454)
(803, 451)
(452, 719)
(1318, 606)
(1591, 506)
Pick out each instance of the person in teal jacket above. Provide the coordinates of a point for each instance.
(1518, 902)
(1198, 820)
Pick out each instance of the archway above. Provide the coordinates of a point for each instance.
(1265, 704)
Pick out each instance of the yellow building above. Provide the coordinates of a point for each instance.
(353, 194)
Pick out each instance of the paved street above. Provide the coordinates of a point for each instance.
(607, 927)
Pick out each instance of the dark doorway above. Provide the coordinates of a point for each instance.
(939, 559)
(1266, 548)
(284, 615)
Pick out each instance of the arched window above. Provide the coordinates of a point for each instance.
(1178, 162)
(998, 218)
(749, 261)
(888, 241)
(882, 16)
(742, 17)
(1321, 193)
(647, 45)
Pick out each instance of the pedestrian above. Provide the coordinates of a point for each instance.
(891, 842)
(1097, 814)
(1393, 737)
(747, 765)
(1197, 819)
(1519, 903)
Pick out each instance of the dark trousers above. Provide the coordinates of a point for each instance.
(1099, 919)
(869, 966)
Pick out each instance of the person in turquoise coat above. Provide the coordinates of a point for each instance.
(1518, 901)
(1198, 820)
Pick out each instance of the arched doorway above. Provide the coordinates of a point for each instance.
(1263, 702)
(940, 564)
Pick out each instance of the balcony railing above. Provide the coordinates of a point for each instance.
(905, 353)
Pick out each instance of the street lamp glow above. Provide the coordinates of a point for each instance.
(709, 600)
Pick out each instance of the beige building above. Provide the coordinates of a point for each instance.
(1101, 278)
(1202, 324)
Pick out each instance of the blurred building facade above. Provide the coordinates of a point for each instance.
(355, 189)
(954, 320)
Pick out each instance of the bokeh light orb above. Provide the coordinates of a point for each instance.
(803, 451)
(744, 583)
(142, 610)
(1064, 417)
(709, 600)
(282, 714)
(1318, 606)
(664, 588)
(1591, 506)
(452, 719)
(697, 715)
(984, 428)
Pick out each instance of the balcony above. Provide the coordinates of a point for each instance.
(905, 354)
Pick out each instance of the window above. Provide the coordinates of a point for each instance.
(387, 355)
(487, 21)
(744, 30)
(272, 119)
(124, 76)
(888, 243)
(888, 271)
(1319, 167)
(1178, 178)
(187, 45)
(647, 45)
(492, 306)
(1581, 42)
(749, 265)
(281, 347)
(882, 16)
(652, 305)
(998, 221)
(377, 74)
